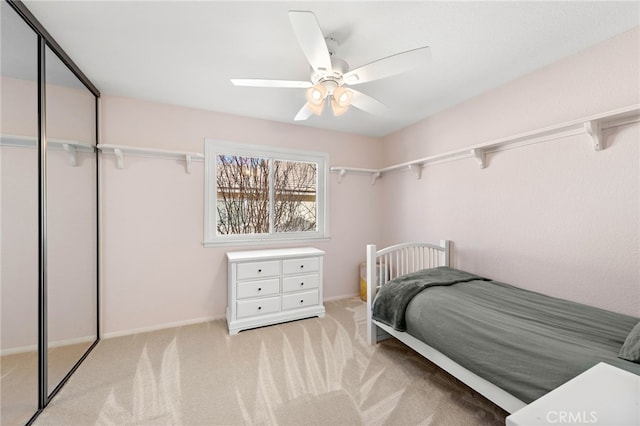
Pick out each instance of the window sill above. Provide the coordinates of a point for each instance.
(227, 243)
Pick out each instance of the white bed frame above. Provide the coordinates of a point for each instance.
(390, 262)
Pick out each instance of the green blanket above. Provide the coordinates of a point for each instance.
(391, 301)
(524, 342)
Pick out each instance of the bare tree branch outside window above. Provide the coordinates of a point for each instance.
(243, 194)
(295, 196)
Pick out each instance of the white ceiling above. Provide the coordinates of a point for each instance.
(185, 52)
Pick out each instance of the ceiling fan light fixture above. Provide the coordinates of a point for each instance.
(342, 96)
(341, 100)
(316, 109)
(315, 98)
(337, 109)
(316, 94)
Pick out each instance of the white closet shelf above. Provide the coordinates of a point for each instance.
(120, 150)
(591, 126)
(71, 147)
(342, 172)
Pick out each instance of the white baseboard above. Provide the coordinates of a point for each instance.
(163, 326)
(57, 344)
(157, 327)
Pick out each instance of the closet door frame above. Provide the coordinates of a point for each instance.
(46, 40)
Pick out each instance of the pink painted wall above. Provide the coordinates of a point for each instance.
(155, 270)
(555, 217)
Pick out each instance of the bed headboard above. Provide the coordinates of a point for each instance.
(400, 259)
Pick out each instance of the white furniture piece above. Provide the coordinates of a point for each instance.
(272, 286)
(602, 395)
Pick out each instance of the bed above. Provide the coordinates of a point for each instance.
(509, 344)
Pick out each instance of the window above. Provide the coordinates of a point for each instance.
(256, 193)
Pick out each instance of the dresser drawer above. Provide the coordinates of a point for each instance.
(299, 300)
(300, 282)
(297, 266)
(258, 288)
(252, 270)
(251, 307)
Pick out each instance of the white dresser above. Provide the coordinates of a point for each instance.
(272, 286)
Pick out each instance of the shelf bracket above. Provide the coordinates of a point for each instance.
(188, 161)
(416, 169)
(481, 157)
(119, 157)
(342, 173)
(594, 130)
(73, 153)
(374, 177)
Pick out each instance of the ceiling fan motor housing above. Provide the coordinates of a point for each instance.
(333, 78)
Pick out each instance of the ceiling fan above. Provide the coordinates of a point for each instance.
(330, 74)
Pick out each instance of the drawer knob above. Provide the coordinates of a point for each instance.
(301, 284)
(301, 266)
(259, 307)
(259, 288)
(301, 301)
(259, 270)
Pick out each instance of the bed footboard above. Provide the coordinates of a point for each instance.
(391, 262)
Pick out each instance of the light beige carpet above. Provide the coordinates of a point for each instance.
(314, 371)
(19, 383)
(18, 388)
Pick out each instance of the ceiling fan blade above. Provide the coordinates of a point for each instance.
(391, 65)
(311, 40)
(254, 82)
(303, 114)
(367, 103)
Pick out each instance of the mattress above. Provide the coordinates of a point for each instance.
(523, 342)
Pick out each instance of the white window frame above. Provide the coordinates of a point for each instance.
(213, 148)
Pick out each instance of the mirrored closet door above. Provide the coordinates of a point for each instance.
(71, 211)
(18, 219)
(49, 216)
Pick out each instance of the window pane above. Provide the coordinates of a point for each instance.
(243, 195)
(295, 185)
